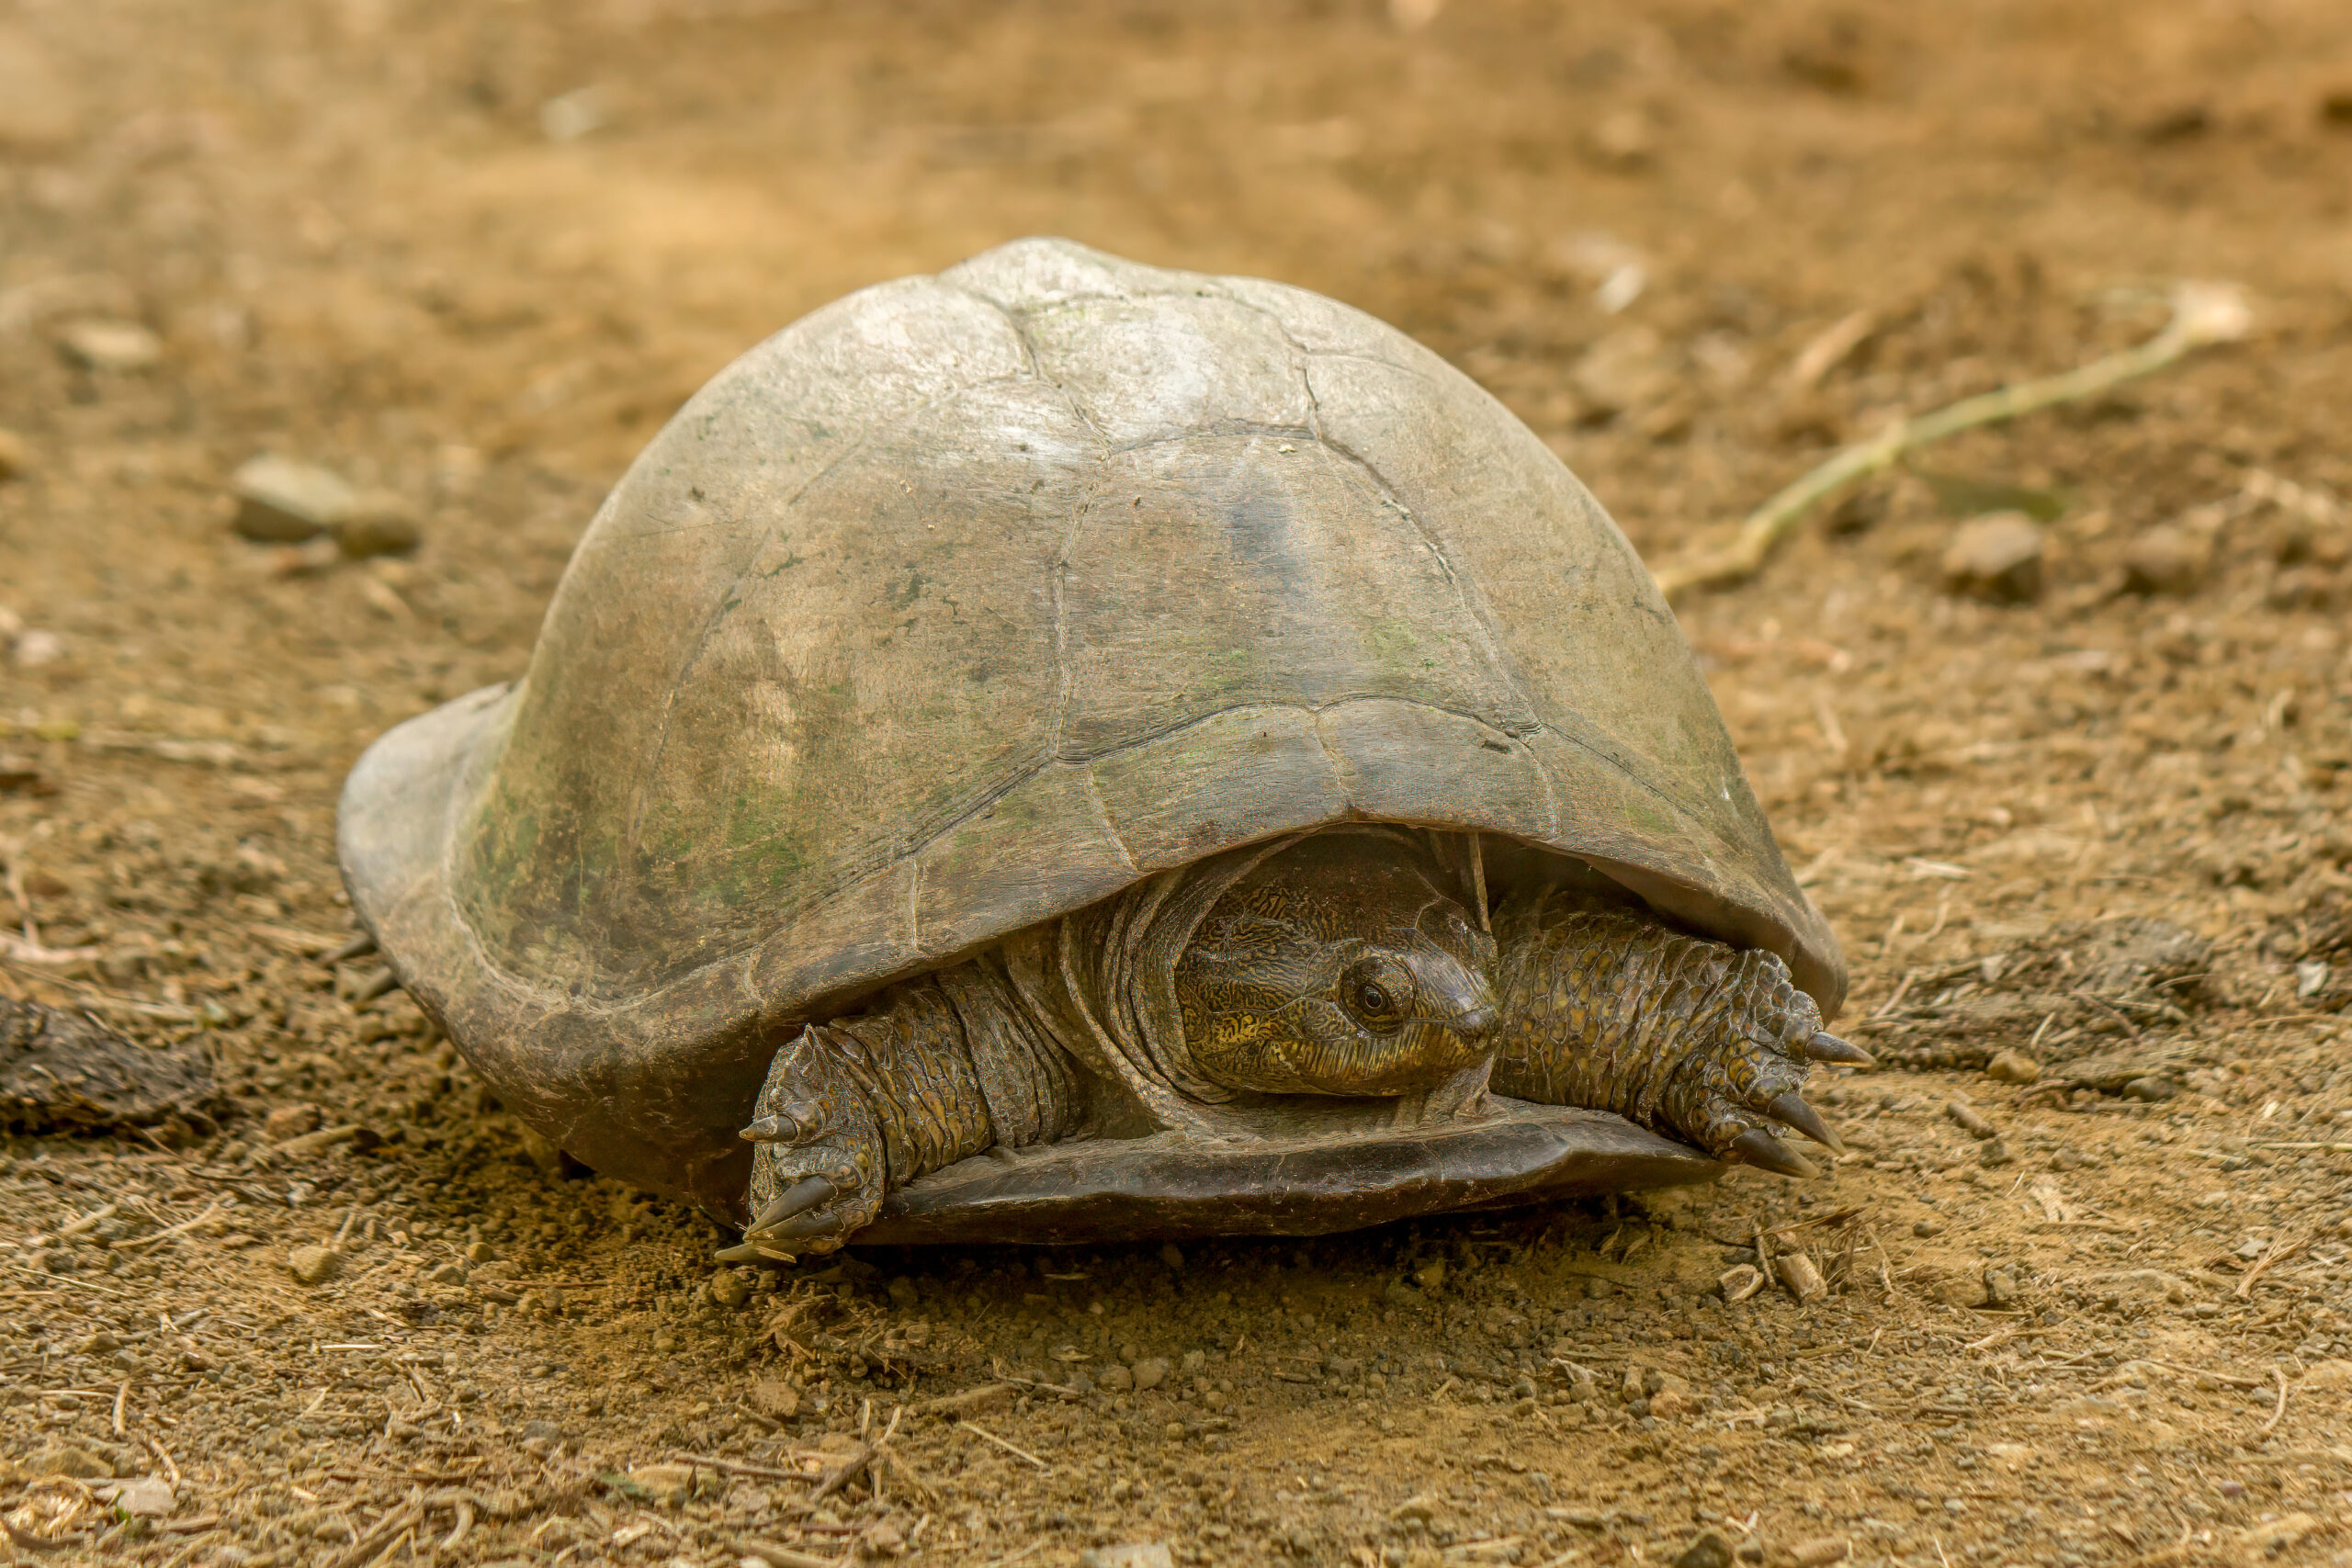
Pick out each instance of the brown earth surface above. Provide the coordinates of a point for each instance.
(475, 253)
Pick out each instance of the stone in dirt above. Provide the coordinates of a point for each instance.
(16, 455)
(284, 502)
(1996, 558)
(111, 345)
(668, 1485)
(2167, 560)
(1818, 1553)
(1962, 1290)
(380, 523)
(290, 1122)
(1708, 1549)
(2012, 1067)
(313, 1264)
(775, 1398)
(62, 1072)
(148, 1497)
(730, 1289)
(23, 775)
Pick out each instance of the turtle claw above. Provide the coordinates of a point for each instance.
(1791, 1109)
(788, 1126)
(1759, 1148)
(805, 1227)
(1826, 1048)
(807, 1193)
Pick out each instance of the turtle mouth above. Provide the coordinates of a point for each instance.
(1419, 1056)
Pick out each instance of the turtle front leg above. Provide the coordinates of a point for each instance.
(1703, 1042)
(852, 1108)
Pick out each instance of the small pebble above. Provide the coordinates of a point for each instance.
(16, 455)
(290, 1122)
(1150, 1372)
(667, 1484)
(1996, 558)
(1708, 1549)
(2012, 1067)
(284, 502)
(2150, 1090)
(2167, 560)
(1928, 1228)
(1173, 1257)
(111, 346)
(1117, 1379)
(147, 1497)
(37, 648)
(1818, 1553)
(1993, 1151)
(730, 1289)
(450, 1273)
(314, 1265)
(379, 523)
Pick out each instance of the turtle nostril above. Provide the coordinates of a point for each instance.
(1473, 1024)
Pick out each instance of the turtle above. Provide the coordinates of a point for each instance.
(1063, 749)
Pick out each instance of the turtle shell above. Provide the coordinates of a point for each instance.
(970, 600)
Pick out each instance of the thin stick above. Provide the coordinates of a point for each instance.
(2278, 1251)
(1008, 1448)
(736, 1467)
(137, 1241)
(162, 1456)
(2203, 314)
(2282, 1410)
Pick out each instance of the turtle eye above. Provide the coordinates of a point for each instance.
(1373, 995)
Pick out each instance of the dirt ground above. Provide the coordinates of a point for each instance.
(474, 253)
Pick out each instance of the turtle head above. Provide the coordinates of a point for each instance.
(1344, 965)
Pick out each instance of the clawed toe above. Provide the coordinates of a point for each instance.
(807, 1193)
(1791, 1107)
(802, 1227)
(784, 1127)
(1760, 1149)
(1826, 1048)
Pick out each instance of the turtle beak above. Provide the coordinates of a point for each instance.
(1457, 998)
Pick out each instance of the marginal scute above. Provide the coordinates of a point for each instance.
(969, 601)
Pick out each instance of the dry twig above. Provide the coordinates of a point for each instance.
(2203, 314)
(2279, 1414)
(1018, 1453)
(2279, 1252)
